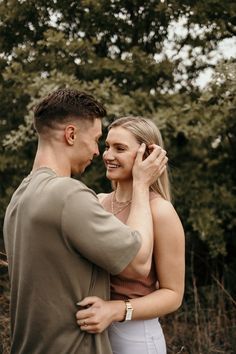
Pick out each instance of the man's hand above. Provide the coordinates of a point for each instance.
(146, 171)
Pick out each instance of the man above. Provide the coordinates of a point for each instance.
(61, 244)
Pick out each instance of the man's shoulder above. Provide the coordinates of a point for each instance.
(58, 187)
(70, 185)
(102, 196)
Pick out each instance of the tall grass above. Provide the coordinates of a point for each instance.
(4, 311)
(205, 324)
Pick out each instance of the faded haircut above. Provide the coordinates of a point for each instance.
(62, 105)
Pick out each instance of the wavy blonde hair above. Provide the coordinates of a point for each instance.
(145, 131)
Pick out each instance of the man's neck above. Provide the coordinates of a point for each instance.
(54, 161)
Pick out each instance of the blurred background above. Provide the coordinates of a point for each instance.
(171, 61)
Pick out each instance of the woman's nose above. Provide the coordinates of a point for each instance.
(107, 155)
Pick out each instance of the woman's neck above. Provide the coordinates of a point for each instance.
(124, 191)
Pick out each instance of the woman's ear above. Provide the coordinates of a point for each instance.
(146, 153)
(70, 134)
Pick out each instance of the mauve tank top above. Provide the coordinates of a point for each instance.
(121, 287)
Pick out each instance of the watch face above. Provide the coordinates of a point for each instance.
(129, 311)
(129, 315)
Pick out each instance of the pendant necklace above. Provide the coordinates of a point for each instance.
(120, 205)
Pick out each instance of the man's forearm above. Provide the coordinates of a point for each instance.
(145, 173)
(140, 219)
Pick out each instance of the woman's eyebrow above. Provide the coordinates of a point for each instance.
(116, 144)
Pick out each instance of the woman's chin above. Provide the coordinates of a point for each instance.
(111, 176)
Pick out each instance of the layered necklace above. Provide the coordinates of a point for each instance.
(117, 207)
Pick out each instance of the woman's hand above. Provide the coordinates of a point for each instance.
(98, 314)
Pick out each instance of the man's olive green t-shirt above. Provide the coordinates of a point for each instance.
(61, 246)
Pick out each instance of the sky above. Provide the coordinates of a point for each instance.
(178, 30)
(226, 49)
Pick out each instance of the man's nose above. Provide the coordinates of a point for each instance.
(97, 152)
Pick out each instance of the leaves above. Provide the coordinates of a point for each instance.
(124, 54)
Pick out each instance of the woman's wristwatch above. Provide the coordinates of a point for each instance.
(128, 311)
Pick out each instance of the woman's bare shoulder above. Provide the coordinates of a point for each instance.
(162, 207)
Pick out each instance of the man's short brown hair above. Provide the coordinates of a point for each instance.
(63, 104)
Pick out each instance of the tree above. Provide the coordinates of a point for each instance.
(110, 48)
(131, 56)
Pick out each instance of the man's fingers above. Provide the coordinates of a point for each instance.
(156, 152)
(162, 158)
(156, 158)
(140, 152)
(156, 162)
(154, 147)
(149, 169)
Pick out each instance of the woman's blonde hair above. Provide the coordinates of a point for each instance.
(145, 131)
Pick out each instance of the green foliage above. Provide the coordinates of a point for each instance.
(110, 48)
(200, 133)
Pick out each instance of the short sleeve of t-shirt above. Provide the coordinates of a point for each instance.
(96, 234)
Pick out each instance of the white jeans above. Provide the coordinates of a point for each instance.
(137, 337)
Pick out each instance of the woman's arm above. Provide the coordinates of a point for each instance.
(169, 250)
(169, 257)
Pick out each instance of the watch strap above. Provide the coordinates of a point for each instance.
(128, 310)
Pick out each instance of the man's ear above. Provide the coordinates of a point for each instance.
(70, 134)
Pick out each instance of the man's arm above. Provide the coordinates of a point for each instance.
(145, 173)
(103, 239)
(169, 256)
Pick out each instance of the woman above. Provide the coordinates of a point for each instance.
(161, 292)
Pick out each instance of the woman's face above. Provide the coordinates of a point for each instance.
(120, 153)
